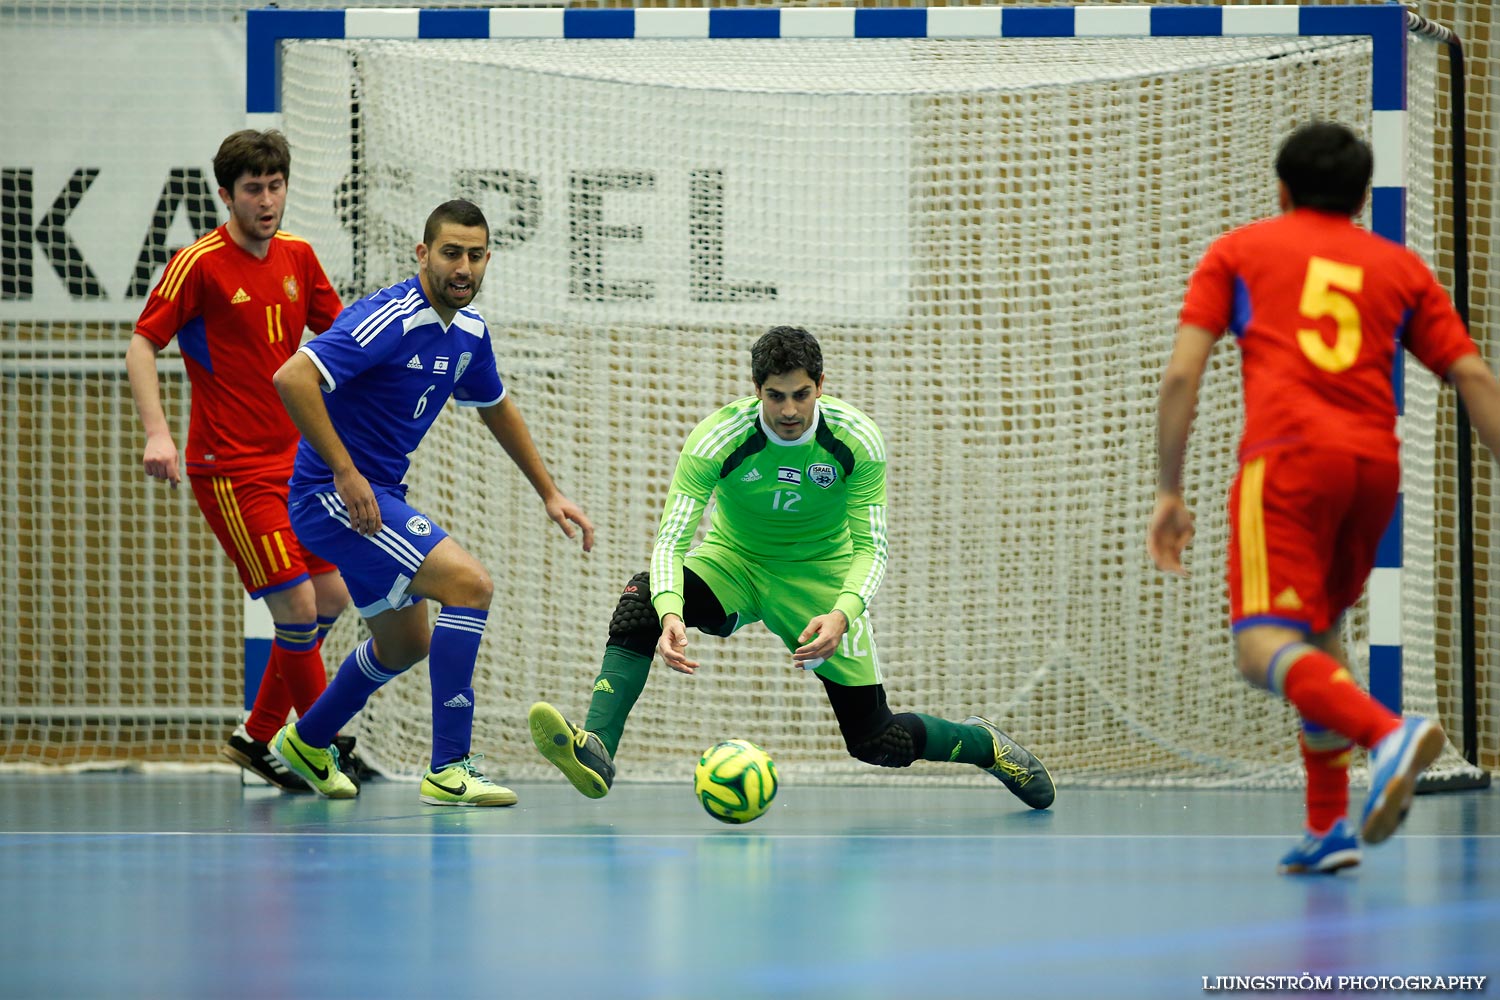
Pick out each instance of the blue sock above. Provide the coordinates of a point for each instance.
(359, 676)
(455, 646)
(325, 622)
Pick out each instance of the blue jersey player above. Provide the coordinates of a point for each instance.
(363, 395)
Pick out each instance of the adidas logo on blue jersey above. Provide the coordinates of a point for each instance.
(750, 476)
(415, 362)
(459, 700)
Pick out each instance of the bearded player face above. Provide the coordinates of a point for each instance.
(255, 208)
(452, 267)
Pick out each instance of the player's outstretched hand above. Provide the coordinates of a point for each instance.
(562, 510)
(160, 458)
(824, 633)
(672, 646)
(364, 511)
(1170, 532)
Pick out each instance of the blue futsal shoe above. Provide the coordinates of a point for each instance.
(1395, 764)
(1325, 854)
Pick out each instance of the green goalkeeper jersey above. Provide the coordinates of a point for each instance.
(820, 498)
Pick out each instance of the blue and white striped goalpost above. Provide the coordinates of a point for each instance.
(1390, 29)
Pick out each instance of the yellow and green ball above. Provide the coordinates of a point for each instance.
(735, 781)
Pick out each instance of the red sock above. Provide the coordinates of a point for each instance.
(1325, 694)
(272, 703)
(1327, 784)
(304, 673)
(293, 679)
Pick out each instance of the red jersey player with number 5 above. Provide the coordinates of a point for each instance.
(237, 300)
(1318, 307)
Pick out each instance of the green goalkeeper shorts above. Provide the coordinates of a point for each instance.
(786, 596)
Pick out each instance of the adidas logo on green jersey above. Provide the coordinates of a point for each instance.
(602, 684)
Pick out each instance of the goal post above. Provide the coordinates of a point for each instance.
(988, 216)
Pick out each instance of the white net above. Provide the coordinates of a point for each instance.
(121, 634)
(121, 631)
(991, 240)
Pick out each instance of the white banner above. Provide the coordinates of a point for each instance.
(106, 159)
(607, 202)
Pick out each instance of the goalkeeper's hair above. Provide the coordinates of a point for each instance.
(458, 212)
(785, 349)
(1325, 166)
(250, 152)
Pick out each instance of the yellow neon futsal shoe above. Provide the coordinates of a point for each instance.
(461, 784)
(318, 766)
(577, 753)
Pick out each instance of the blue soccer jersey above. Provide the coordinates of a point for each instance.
(388, 366)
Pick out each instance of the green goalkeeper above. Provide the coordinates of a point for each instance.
(797, 540)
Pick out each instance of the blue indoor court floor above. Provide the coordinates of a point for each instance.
(121, 885)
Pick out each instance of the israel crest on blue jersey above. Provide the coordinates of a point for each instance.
(823, 474)
(463, 364)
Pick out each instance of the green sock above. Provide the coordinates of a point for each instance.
(622, 676)
(958, 743)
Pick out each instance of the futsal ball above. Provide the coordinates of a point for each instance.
(735, 781)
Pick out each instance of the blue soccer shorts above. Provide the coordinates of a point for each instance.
(378, 569)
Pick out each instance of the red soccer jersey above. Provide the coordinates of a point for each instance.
(237, 319)
(1319, 306)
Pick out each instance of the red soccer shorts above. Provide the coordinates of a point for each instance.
(1304, 527)
(247, 512)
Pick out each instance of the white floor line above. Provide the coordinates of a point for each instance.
(8, 834)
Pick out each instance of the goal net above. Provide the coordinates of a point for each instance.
(991, 240)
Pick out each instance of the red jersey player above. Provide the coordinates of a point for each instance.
(1319, 308)
(237, 301)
